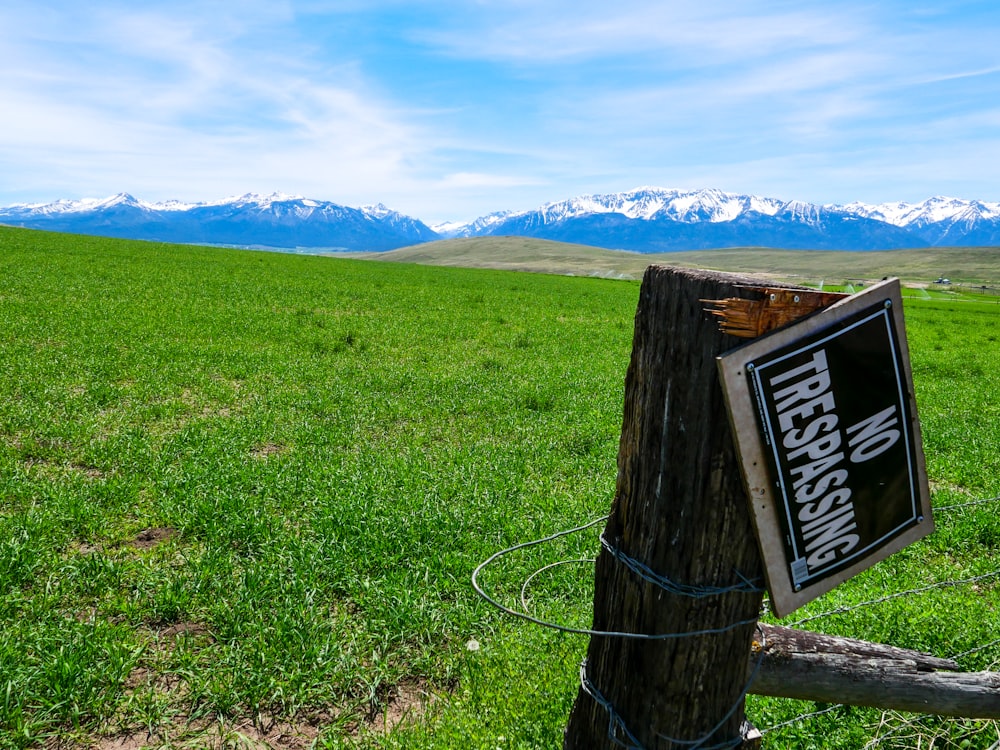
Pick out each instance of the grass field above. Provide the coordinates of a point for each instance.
(918, 268)
(242, 494)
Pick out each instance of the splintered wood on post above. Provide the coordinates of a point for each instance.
(770, 308)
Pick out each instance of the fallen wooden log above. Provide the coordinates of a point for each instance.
(831, 669)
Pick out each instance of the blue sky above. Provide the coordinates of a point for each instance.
(450, 110)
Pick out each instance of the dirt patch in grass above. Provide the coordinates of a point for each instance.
(133, 742)
(147, 676)
(261, 734)
(283, 735)
(186, 628)
(267, 449)
(406, 702)
(149, 538)
(940, 486)
(52, 468)
(91, 472)
(145, 540)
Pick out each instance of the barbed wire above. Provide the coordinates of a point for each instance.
(742, 586)
(800, 719)
(968, 504)
(736, 741)
(558, 563)
(586, 631)
(616, 726)
(976, 650)
(895, 595)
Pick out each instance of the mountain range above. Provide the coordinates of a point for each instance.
(277, 221)
(642, 220)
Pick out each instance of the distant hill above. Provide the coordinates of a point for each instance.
(972, 265)
(645, 220)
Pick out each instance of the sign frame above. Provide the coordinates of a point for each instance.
(764, 465)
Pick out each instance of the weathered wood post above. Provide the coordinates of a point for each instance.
(679, 548)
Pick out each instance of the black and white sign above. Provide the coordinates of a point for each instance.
(831, 448)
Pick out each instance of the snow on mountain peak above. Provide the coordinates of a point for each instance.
(378, 211)
(479, 226)
(801, 210)
(930, 211)
(83, 205)
(264, 201)
(117, 200)
(657, 203)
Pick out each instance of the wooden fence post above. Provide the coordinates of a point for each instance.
(679, 548)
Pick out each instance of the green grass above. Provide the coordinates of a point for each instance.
(333, 445)
(241, 496)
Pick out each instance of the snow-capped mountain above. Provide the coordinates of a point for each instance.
(941, 221)
(477, 228)
(659, 220)
(651, 219)
(276, 220)
(647, 219)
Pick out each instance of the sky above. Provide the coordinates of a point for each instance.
(450, 110)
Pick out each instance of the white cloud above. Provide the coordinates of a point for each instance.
(447, 108)
(478, 179)
(692, 34)
(169, 107)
